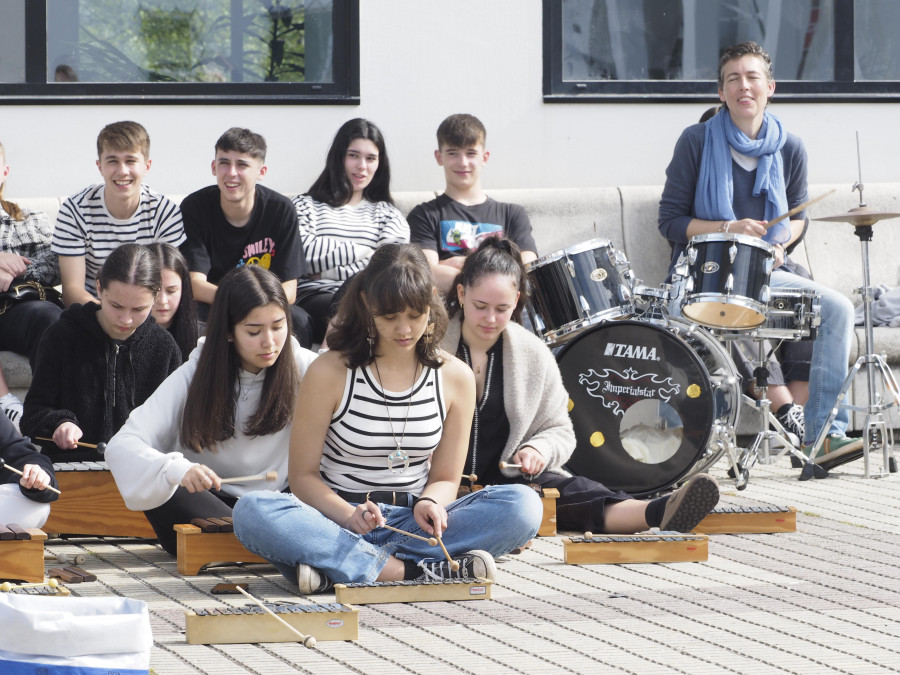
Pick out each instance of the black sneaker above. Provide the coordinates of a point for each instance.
(472, 565)
(793, 421)
(691, 504)
(311, 581)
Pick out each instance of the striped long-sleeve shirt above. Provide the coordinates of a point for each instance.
(85, 227)
(338, 241)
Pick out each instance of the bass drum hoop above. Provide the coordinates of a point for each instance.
(597, 429)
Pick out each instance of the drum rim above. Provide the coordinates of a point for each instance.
(605, 316)
(733, 236)
(688, 327)
(575, 248)
(739, 300)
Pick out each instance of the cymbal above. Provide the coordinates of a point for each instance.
(861, 215)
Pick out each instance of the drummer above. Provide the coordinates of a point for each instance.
(732, 175)
(521, 414)
(448, 227)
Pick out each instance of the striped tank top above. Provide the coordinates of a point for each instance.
(360, 438)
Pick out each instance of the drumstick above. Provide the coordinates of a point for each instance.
(453, 564)
(472, 477)
(100, 447)
(15, 470)
(6, 587)
(268, 475)
(431, 540)
(308, 641)
(798, 209)
(504, 465)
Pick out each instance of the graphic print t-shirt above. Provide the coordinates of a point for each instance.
(270, 238)
(450, 228)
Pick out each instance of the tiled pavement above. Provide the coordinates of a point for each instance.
(822, 600)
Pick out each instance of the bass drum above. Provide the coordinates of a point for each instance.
(649, 403)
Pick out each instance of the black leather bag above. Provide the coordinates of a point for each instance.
(28, 291)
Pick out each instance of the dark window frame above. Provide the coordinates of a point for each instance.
(842, 89)
(36, 90)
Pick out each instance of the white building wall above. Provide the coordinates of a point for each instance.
(420, 61)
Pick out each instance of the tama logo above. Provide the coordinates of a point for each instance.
(631, 351)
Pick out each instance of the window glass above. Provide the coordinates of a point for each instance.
(221, 41)
(877, 48)
(12, 41)
(682, 39)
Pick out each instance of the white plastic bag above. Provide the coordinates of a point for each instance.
(65, 634)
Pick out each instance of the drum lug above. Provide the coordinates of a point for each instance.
(732, 253)
(691, 255)
(729, 283)
(770, 264)
(571, 267)
(764, 294)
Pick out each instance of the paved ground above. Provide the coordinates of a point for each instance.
(822, 600)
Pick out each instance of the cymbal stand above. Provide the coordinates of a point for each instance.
(767, 437)
(876, 432)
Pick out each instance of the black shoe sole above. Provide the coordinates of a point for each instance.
(701, 497)
(849, 457)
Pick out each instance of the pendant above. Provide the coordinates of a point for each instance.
(396, 458)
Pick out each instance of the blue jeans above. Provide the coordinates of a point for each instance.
(286, 532)
(830, 357)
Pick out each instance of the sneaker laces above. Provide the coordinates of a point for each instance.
(794, 421)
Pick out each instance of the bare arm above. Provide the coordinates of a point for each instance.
(528, 256)
(444, 271)
(72, 271)
(203, 290)
(449, 457)
(290, 290)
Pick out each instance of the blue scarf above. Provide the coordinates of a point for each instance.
(715, 186)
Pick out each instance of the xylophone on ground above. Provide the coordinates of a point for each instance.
(90, 504)
(51, 587)
(207, 540)
(749, 519)
(249, 624)
(21, 553)
(413, 591)
(635, 548)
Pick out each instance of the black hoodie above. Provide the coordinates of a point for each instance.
(85, 377)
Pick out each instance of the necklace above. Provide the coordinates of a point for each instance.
(399, 456)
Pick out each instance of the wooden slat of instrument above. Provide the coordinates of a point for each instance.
(90, 504)
(548, 523)
(636, 548)
(197, 548)
(749, 519)
(236, 625)
(23, 558)
(49, 587)
(413, 591)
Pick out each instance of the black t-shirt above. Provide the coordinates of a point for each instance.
(271, 238)
(490, 425)
(450, 228)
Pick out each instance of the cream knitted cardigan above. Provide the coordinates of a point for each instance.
(534, 397)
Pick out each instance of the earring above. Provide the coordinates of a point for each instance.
(428, 337)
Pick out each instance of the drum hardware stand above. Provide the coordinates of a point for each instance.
(761, 447)
(876, 432)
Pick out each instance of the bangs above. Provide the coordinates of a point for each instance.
(410, 291)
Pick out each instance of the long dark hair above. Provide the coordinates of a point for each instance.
(133, 264)
(495, 255)
(397, 277)
(184, 323)
(208, 416)
(333, 187)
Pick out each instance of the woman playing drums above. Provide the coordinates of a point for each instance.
(735, 173)
(380, 435)
(521, 415)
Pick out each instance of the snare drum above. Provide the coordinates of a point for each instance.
(649, 402)
(727, 280)
(577, 287)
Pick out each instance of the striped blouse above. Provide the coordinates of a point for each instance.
(362, 433)
(338, 241)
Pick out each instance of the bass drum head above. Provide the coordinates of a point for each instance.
(643, 404)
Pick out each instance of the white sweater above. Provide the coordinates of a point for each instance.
(148, 461)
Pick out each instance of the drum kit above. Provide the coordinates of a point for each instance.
(654, 397)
